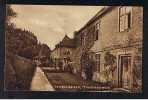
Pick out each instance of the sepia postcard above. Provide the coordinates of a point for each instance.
(73, 48)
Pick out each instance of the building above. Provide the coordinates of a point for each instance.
(113, 38)
(84, 40)
(63, 51)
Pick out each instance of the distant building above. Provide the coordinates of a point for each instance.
(63, 50)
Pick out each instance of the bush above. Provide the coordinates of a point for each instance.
(18, 73)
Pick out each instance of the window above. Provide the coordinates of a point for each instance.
(97, 30)
(67, 52)
(96, 34)
(84, 39)
(98, 26)
(124, 18)
(97, 62)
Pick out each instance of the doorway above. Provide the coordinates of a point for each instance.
(124, 74)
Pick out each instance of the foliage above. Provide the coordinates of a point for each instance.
(109, 59)
(45, 50)
(21, 46)
(10, 14)
(21, 41)
(18, 41)
(18, 72)
(137, 71)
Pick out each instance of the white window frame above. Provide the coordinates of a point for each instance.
(124, 15)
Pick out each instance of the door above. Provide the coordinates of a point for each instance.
(124, 71)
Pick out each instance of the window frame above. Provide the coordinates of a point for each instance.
(124, 15)
(98, 62)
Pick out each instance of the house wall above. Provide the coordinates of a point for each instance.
(129, 41)
(55, 53)
(58, 55)
(64, 50)
(110, 25)
(81, 48)
(117, 43)
(60, 52)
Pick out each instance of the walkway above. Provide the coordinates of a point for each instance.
(40, 82)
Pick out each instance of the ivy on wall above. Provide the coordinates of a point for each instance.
(109, 59)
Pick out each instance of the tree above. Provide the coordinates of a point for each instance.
(109, 59)
(10, 14)
(20, 47)
(45, 50)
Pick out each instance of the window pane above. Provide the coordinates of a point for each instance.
(97, 62)
(121, 23)
(128, 9)
(122, 11)
(97, 56)
(125, 18)
(129, 20)
(97, 32)
(98, 26)
(126, 22)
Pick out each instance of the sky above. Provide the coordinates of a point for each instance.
(50, 23)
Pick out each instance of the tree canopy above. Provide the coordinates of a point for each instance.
(22, 41)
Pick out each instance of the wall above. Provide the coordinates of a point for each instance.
(90, 35)
(55, 53)
(110, 28)
(63, 50)
(59, 52)
(113, 41)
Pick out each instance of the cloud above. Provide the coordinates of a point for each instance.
(50, 23)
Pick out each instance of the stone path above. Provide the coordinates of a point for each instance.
(40, 82)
